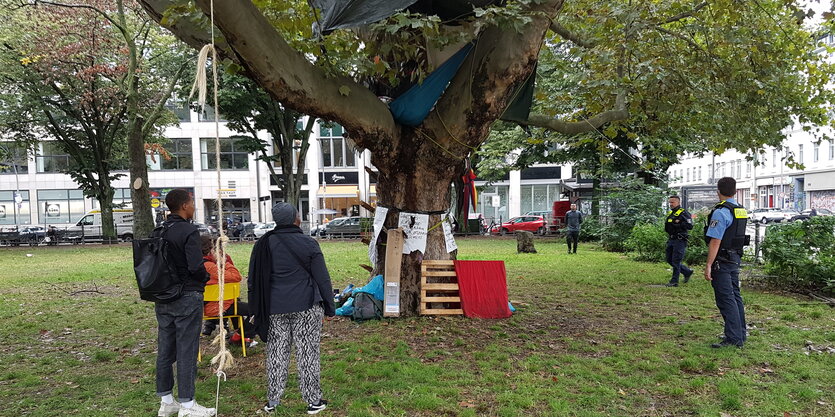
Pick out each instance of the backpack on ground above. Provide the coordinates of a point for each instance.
(156, 275)
(366, 307)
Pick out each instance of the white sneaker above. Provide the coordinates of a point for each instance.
(168, 410)
(196, 410)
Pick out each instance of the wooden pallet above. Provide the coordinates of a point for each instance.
(439, 284)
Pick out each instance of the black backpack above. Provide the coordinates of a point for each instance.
(366, 307)
(156, 275)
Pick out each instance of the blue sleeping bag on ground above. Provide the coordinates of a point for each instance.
(374, 287)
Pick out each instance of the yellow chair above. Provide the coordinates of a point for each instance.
(231, 291)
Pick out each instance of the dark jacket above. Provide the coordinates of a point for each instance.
(573, 220)
(184, 250)
(275, 269)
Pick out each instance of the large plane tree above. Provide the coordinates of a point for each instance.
(747, 69)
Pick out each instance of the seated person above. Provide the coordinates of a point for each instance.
(231, 275)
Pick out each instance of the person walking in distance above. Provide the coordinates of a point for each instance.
(677, 225)
(180, 320)
(725, 238)
(573, 220)
(290, 292)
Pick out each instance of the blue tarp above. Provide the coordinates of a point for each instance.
(415, 104)
(374, 287)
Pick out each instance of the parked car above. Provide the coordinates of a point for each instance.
(89, 226)
(528, 223)
(262, 229)
(206, 230)
(32, 235)
(766, 215)
(806, 214)
(318, 230)
(348, 226)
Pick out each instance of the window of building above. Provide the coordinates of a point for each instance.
(687, 175)
(51, 157)
(800, 153)
(710, 171)
(485, 200)
(179, 151)
(336, 150)
(748, 170)
(831, 149)
(13, 158)
(774, 158)
(60, 206)
(208, 115)
(815, 152)
(231, 154)
(180, 109)
(12, 212)
(700, 174)
(739, 168)
(538, 197)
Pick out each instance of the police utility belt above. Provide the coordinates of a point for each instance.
(682, 236)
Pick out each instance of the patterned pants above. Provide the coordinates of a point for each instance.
(302, 329)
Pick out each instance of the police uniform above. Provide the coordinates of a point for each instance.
(677, 225)
(727, 222)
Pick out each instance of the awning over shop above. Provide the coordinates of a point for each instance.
(343, 191)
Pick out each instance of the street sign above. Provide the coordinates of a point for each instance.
(154, 202)
(496, 201)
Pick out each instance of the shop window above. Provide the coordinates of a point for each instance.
(60, 206)
(14, 211)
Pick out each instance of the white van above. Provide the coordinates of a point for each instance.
(89, 226)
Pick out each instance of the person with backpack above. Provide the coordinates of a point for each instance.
(290, 292)
(179, 321)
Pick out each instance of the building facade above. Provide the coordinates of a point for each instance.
(33, 189)
(766, 179)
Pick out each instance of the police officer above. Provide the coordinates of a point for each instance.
(677, 225)
(725, 237)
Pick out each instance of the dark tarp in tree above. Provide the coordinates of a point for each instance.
(338, 14)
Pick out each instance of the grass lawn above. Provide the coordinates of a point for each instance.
(592, 337)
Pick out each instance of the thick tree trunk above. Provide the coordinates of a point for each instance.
(140, 195)
(415, 178)
(108, 227)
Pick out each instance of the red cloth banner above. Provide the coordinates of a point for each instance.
(483, 289)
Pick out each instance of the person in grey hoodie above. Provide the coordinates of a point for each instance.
(573, 220)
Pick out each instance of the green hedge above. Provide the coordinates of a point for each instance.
(802, 254)
(648, 242)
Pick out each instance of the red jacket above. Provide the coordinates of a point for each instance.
(230, 275)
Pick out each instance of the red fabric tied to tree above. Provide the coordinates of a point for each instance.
(483, 289)
(469, 191)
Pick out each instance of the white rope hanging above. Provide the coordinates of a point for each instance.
(224, 358)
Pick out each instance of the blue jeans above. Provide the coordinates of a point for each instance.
(178, 341)
(725, 274)
(675, 254)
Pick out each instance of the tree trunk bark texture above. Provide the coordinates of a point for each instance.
(108, 227)
(143, 221)
(414, 178)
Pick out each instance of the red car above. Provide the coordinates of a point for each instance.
(534, 224)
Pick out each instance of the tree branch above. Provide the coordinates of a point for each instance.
(156, 112)
(284, 72)
(686, 14)
(573, 37)
(592, 123)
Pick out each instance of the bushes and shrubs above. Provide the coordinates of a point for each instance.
(801, 255)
